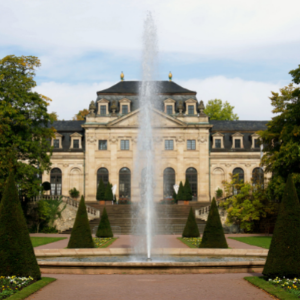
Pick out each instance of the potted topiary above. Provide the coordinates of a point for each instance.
(74, 193)
(109, 197)
(46, 186)
(180, 196)
(219, 193)
(101, 192)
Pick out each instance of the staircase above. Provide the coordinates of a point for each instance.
(130, 219)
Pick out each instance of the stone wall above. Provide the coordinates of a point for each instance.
(68, 217)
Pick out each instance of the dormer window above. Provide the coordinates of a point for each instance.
(237, 141)
(191, 107)
(169, 108)
(102, 110)
(56, 142)
(124, 109)
(102, 107)
(76, 141)
(218, 140)
(255, 141)
(76, 144)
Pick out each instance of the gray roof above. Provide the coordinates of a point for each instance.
(132, 87)
(238, 125)
(74, 126)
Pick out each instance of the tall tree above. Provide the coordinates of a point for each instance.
(16, 251)
(217, 110)
(281, 139)
(81, 115)
(24, 124)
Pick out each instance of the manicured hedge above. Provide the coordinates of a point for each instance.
(191, 228)
(104, 229)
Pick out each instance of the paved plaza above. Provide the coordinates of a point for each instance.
(151, 287)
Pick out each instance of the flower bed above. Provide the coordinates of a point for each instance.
(191, 242)
(103, 242)
(290, 285)
(13, 284)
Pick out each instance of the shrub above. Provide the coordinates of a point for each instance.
(191, 228)
(213, 235)
(174, 196)
(104, 229)
(46, 186)
(81, 235)
(108, 192)
(219, 193)
(16, 251)
(100, 191)
(74, 193)
(188, 195)
(181, 194)
(284, 254)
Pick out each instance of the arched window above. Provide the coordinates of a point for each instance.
(191, 176)
(240, 172)
(169, 181)
(239, 178)
(102, 173)
(124, 183)
(56, 181)
(258, 177)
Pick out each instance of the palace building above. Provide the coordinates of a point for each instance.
(187, 143)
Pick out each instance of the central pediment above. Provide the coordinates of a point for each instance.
(158, 119)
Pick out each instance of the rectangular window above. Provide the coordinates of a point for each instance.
(124, 109)
(191, 110)
(218, 143)
(76, 144)
(191, 144)
(237, 143)
(256, 143)
(102, 110)
(56, 143)
(169, 145)
(124, 144)
(169, 109)
(103, 145)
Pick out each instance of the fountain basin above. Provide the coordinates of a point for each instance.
(248, 261)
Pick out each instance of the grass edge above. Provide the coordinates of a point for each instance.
(108, 243)
(29, 290)
(187, 243)
(276, 291)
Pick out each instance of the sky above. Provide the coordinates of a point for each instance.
(237, 51)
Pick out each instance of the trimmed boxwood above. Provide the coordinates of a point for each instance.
(181, 194)
(284, 254)
(188, 195)
(191, 228)
(104, 229)
(100, 190)
(81, 235)
(16, 251)
(108, 192)
(213, 235)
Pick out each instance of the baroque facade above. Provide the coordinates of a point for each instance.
(187, 145)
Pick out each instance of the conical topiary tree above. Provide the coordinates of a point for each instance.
(284, 254)
(108, 192)
(181, 194)
(104, 229)
(100, 191)
(81, 235)
(16, 251)
(174, 195)
(191, 228)
(188, 191)
(213, 235)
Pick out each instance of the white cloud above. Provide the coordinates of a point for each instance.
(250, 98)
(214, 28)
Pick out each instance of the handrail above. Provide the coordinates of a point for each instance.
(205, 209)
(69, 201)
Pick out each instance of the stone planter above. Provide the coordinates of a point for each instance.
(102, 202)
(183, 202)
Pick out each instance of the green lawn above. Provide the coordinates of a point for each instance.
(191, 242)
(276, 291)
(39, 241)
(259, 241)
